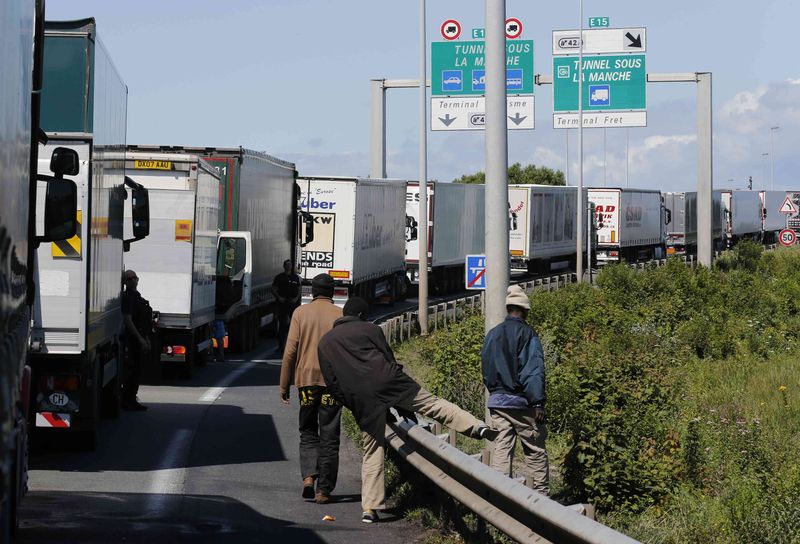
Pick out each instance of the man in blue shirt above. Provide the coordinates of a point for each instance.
(513, 372)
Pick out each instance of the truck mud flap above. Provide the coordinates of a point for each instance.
(53, 420)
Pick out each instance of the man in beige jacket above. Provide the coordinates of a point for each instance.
(320, 414)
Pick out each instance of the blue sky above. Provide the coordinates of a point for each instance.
(291, 77)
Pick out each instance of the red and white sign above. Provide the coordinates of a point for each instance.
(451, 29)
(788, 237)
(513, 28)
(51, 419)
(788, 207)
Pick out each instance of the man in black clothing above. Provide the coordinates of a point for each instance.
(137, 316)
(286, 288)
(362, 374)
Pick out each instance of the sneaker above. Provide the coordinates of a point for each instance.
(308, 487)
(322, 497)
(369, 516)
(487, 433)
(133, 406)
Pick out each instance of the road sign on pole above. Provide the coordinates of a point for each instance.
(450, 29)
(788, 237)
(476, 272)
(788, 207)
(513, 28)
(459, 68)
(614, 78)
(469, 112)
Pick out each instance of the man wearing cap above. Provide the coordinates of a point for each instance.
(362, 373)
(320, 414)
(513, 372)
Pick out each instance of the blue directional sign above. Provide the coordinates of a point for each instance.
(599, 95)
(479, 80)
(452, 80)
(476, 272)
(514, 79)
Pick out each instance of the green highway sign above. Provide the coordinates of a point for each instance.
(478, 33)
(598, 22)
(458, 68)
(610, 82)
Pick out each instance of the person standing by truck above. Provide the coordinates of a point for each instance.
(320, 414)
(286, 288)
(513, 372)
(137, 317)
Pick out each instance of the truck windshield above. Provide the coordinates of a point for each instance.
(231, 255)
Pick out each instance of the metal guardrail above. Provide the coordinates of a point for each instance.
(513, 508)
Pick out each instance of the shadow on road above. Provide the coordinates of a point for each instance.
(59, 517)
(138, 444)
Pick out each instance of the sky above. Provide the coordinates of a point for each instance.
(292, 78)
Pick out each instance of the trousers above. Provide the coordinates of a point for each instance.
(520, 423)
(373, 485)
(320, 425)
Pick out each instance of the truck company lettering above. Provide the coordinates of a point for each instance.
(314, 204)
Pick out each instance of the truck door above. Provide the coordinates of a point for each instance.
(234, 271)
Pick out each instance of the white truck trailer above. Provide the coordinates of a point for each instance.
(772, 221)
(176, 263)
(680, 209)
(455, 230)
(630, 224)
(358, 239)
(542, 225)
(743, 215)
(75, 350)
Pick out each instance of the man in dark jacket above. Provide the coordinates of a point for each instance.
(361, 372)
(513, 372)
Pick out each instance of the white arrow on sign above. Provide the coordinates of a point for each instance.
(600, 41)
(469, 112)
(788, 207)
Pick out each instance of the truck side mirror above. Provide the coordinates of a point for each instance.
(60, 205)
(140, 213)
(308, 228)
(64, 162)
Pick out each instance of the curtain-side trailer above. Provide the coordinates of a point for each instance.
(630, 224)
(542, 226)
(455, 230)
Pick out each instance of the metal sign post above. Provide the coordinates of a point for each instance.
(423, 177)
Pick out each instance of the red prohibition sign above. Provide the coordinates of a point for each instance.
(451, 29)
(513, 28)
(788, 237)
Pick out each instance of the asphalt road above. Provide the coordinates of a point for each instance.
(214, 459)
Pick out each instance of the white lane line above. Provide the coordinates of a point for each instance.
(168, 478)
(213, 393)
(268, 361)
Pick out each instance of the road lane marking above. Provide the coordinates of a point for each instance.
(168, 477)
(213, 393)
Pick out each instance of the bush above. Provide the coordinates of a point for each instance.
(659, 382)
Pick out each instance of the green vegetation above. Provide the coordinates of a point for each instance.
(672, 395)
(517, 174)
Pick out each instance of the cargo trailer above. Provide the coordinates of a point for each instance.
(76, 349)
(542, 225)
(772, 221)
(630, 224)
(176, 264)
(680, 209)
(358, 238)
(21, 66)
(455, 230)
(743, 215)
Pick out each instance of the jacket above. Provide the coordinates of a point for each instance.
(309, 323)
(360, 370)
(513, 362)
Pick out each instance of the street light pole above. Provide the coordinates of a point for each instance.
(772, 158)
(579, 222)
(423, 177)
